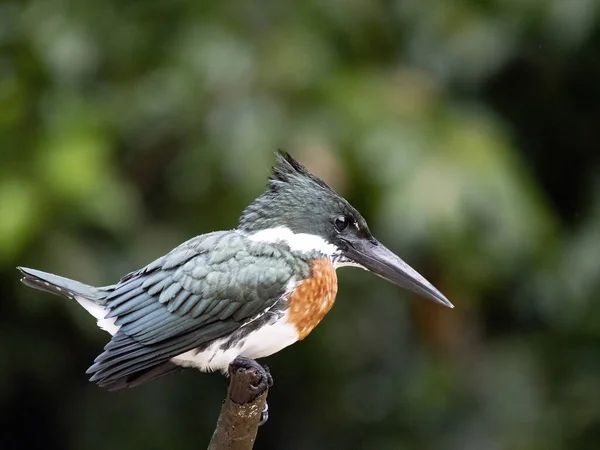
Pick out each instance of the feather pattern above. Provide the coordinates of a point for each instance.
(202, 290)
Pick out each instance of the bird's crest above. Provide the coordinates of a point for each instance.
(289, 171)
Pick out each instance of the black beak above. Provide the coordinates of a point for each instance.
(376, 258)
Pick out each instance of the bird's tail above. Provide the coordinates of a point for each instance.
(64, 287)
(93, 299)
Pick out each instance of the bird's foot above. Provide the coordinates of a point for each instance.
(265, 381)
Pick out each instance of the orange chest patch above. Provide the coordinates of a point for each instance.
(313, 298)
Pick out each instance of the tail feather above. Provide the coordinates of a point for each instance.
(64, 287)
(93, 299)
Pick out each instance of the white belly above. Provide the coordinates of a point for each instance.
(263, 342)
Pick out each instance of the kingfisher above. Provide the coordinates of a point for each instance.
(231, 297)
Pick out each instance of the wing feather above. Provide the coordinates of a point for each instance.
(181, 298)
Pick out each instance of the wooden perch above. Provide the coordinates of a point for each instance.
(241, 412)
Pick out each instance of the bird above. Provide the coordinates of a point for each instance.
(231, 297)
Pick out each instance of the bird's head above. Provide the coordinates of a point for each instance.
(302, 210)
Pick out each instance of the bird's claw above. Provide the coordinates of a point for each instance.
(264, 415)
(269, 376)
(265, 381)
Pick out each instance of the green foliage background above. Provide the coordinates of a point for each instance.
(465, 131)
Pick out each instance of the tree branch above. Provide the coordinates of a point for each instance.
(240, 414)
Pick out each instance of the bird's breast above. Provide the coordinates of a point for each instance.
(313, 297)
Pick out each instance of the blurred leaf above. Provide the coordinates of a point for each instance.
(19, 218)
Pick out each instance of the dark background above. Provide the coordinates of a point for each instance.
(466, 132)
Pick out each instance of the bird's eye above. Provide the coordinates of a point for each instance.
(341, 223)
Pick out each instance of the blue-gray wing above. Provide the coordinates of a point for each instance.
(202, 290)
